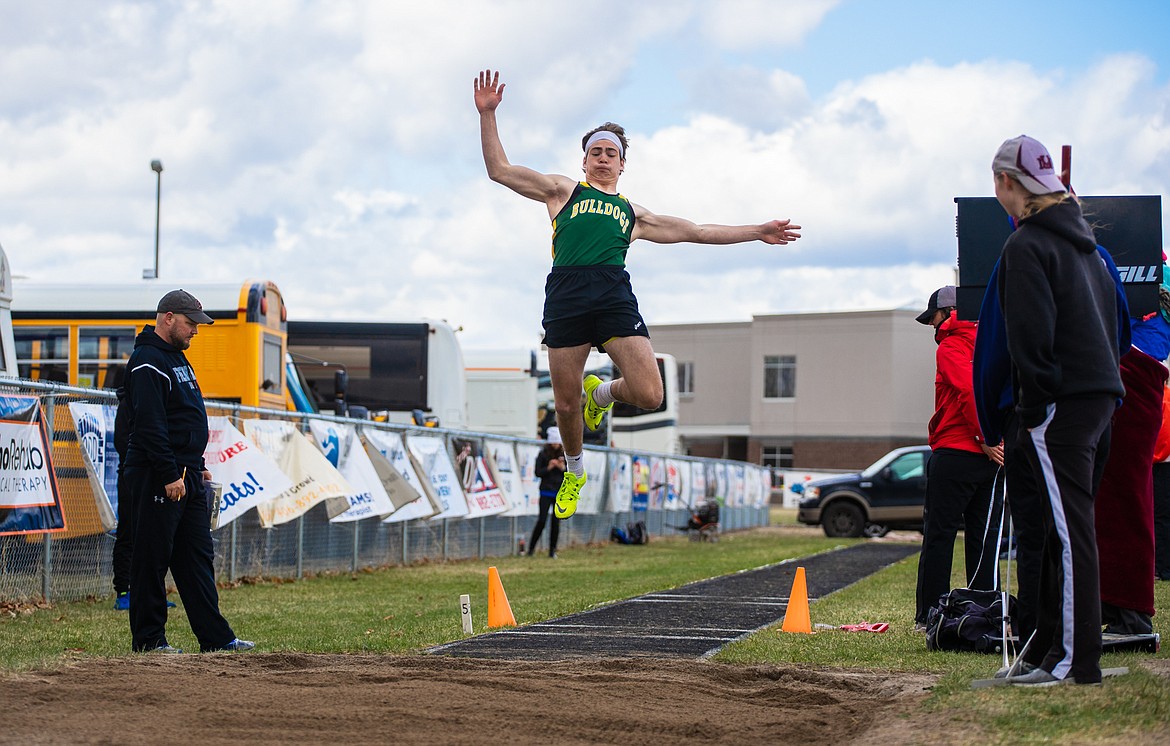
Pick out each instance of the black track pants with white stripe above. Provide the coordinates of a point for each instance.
(1067, 453)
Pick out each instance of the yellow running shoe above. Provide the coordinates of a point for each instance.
(593, 413)
(566, 502)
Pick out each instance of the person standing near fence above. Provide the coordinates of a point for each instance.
(550, 467)
(589, 301)
(1060, 311)
(961, 473)
(166, 480)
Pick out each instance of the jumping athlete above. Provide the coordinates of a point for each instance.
(588, 298)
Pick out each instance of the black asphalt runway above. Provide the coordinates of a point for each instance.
(692, 621)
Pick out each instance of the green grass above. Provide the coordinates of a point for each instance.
(404, 609)
(1137, 705)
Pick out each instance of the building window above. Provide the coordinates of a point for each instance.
(686, 379)
(777, 457)
(779, 376)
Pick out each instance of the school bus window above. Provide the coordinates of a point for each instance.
(102, 356)
(42, 353)
(273, 364)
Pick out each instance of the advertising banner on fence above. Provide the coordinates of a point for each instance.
(501, 455)
(94, 424)
(314, 480)
(529, 483)
(620, 482)
(435, 464)
(678, 479)
(478, 479)
(640, 483)
(249, 477)
(342, 446)
(394, 484)
(698, 491)
(406, 490)
(722, 484)
(657, 482)
(735, 485)
(593, 493)
(29, 500)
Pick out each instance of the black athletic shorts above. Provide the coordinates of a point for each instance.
(590, 305)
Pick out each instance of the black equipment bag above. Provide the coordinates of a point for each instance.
(969, 620)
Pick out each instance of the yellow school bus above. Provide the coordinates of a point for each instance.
(82, 335)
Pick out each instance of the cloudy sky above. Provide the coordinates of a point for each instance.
(333, 147)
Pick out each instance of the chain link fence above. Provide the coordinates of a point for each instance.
(76, 563)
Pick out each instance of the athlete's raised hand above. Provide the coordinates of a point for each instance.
(489, 91)
(779, 232)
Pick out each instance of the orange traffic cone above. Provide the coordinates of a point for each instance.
(499, 612)
(796, 617)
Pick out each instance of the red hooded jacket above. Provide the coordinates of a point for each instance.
(955, 423)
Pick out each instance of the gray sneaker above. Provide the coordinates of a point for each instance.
(165, 649)
(1037, 677)
(1022, 667)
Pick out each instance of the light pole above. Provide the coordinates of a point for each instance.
(157, 167)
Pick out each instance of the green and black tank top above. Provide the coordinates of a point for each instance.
(592, 229)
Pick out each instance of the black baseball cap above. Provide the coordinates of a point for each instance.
(944, 297)
(180, 301)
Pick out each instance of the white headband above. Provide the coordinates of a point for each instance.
(606, 135)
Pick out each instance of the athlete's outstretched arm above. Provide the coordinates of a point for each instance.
(547, 188)
(668, 229)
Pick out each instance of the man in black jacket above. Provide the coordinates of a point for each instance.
(166, 479)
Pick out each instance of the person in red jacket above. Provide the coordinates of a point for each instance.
(961, 472)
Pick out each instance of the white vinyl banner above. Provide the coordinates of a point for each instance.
(390, 446)
(621, 482)
(722, 487)
(95, 432)
(657, 482)
(342, 446)
(400, 492)
(698, 491)
(502, 455)
(738, 485)
(26, 476)
(249, 477)
(678, 484)
(479, 481)
(592, 497)
(314, 478)
(529, 483)
(431, 454)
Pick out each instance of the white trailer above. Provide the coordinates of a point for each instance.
(501, 391)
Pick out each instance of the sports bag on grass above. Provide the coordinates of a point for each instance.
(968, 620)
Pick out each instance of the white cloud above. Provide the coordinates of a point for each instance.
(735, 24)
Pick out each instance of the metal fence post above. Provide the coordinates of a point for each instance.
(232, 555)
(445, 538)
(47, 544)
(300, 546)
(353, 565)
(405, 538)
